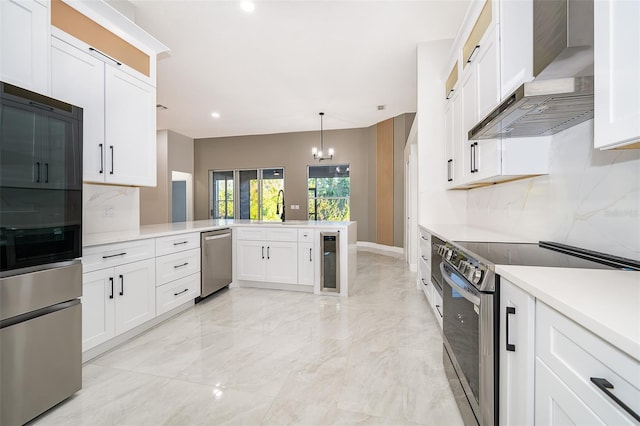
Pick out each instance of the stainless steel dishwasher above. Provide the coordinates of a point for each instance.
(216, 261)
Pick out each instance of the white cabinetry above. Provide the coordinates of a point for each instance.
(516, 45)
(177, 270)
(453, 143)
(570, 361)
(119, 113)
(24, 44)
(116, 300)
(517, 356)
(307, 255)
(617, 67)
(434, 298)
(267, 255)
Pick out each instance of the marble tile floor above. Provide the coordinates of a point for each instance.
(267, 357)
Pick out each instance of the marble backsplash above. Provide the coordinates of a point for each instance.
(590, 198)
(109, 208)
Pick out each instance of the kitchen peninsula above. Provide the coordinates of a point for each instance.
(137, 279)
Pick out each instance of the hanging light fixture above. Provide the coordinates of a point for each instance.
(319, 154)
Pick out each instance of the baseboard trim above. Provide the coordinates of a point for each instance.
(381, 248)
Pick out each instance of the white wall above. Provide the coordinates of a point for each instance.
(436, 205)
(590, 198)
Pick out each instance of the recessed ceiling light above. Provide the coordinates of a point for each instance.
(248, 6)
(215, 114)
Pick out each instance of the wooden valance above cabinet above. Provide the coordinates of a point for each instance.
(81, 27)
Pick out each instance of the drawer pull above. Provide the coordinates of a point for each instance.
(423, 237)
(180, 292)
(181, 242)
(424, 257)
(114, 255)
(438, 309)
(180, 266)
(106, 56)
(604, 385)
(423, 281)
(510, 311)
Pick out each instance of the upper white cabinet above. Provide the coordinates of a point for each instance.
(516, 45)
(24, 44)
(617, 67)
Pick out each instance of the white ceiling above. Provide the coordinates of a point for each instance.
(273, 70)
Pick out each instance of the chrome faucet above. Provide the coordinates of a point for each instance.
(279, 203)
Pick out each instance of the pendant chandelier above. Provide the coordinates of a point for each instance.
(319, 154)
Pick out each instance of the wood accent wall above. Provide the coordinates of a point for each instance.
(384, 182)
(76, 24)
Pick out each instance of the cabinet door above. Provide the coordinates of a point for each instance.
(306, 264)
(453, 147)
(282, 262)
(616, 67)
(517, 359)
(78, 78)
(448, 147)
(135, 294)
(469, 99)
(487, 68)
(130, 129)
(487, 158)
(516, 45)
(251, 259)
(98, 307)
(556, 404)
(24, 42)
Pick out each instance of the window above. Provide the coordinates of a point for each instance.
(246, 194)
(328, 193)
(222, 195)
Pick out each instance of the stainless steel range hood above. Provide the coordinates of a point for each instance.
(561, 94)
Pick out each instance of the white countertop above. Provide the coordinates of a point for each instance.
(470, 233)
(165, 229)
(606, 302)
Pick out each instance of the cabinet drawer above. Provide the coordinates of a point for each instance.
(109, 255)
(305, 235)
(425, 272)
(282, 234)
(176, 293)
(251, 234)
(576, 355)
(177, 243)
(177, 265)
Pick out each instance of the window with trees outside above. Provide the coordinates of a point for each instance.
(245, 194)
(328, 192)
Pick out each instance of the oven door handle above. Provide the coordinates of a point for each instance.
(463, 292)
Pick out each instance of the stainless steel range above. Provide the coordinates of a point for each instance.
(471, 299)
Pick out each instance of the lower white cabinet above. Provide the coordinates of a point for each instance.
(175, 293)
(571, 363)
(517, 356)
(306, 264)
(116, 300)
(268, 261)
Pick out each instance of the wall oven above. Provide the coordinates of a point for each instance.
(40, 243)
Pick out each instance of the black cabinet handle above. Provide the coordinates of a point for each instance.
(424, 258)
(423, 281)
(450, 170)
(604, 385)
(310, 259)
(114, 255)
(510, 311)
(181, 242)
(449, 94)
(46, 172)
(111, 295)
(37, 172)
(101, 159)
(121, 285)
(439, 311)
(423, 237)
(180, 266)
(180, 292)
(473, 53)
(111, 148)
(268, 250)
(106, 56)
(475, 157)
(263, 252)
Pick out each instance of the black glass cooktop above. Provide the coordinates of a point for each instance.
(544, 254)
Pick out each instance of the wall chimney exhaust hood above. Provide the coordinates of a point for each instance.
(561, 94)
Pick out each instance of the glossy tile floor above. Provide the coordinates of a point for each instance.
(266, 357)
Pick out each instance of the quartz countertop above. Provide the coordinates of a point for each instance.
(166, 229)
(606, 302)
(450, 232)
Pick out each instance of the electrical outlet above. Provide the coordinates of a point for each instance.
(108, 211)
